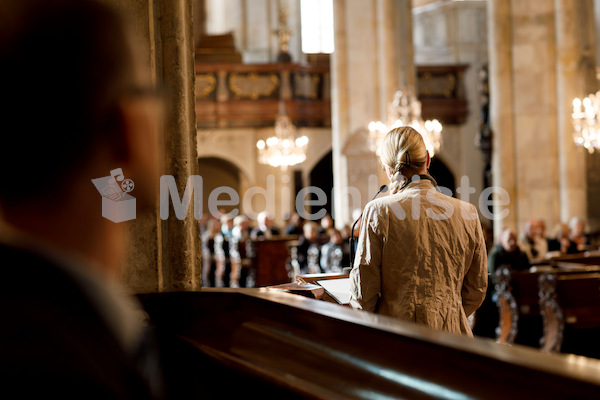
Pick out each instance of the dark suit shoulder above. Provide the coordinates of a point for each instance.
(54, 339)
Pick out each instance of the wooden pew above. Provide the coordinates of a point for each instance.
(518, 306)
(585, 258)
(518, 301)
(229, 343)
(569, 301)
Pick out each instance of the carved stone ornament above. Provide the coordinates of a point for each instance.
(507, 329)
(253, 85)
(552, 315)
(205, 85)
(306, 85)
(435, 85)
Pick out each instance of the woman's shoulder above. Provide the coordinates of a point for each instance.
(382, 204)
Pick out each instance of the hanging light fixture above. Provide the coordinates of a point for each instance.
(585, 122)
(284, 149)
(405, 110)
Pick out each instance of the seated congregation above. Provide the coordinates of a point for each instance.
(543, 291)
(229, 248)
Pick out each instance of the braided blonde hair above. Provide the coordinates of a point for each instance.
(403, 152)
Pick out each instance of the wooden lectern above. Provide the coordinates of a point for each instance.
(270, 262)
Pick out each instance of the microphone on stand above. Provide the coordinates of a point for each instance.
(382, 189)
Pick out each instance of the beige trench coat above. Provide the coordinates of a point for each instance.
(421, 257)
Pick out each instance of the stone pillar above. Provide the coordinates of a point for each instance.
(542, 55)
(535, 104)
(373, 57)
(339, 112)
(501, 110)
(403, 26)
(180, 240)
(165, 254)
(575, 62)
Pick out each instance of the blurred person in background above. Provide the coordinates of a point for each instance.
(265, 228)
(561, 242)
(71, 330)
(531, 241)
(577, 233)
(332, 252)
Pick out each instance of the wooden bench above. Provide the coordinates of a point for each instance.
(519, 302)
(568, 301)
(238, 343)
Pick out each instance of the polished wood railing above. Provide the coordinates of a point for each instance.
(263, 343)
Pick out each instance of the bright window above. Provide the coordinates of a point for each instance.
(317, 26)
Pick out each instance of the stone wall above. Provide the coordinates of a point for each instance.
(456, 33)
(541, 56)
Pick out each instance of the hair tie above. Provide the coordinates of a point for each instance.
(407, 158)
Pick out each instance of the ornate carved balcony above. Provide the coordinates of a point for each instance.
(230, 95)
(248, 95)
(441, 92)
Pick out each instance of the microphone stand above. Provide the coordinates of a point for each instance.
(382, 189)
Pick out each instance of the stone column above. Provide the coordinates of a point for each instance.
(501, 109)
(575, 62)
(180, 240)
(165, 254)
(373, 57)
(541, 57)
(339, 112)
(403, 26)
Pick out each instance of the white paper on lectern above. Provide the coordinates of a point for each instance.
(339, 289)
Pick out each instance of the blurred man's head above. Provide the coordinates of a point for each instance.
(310, 230)
(264, 220)
(79, 104)
(508, 239)
(577, 226)
(532, 228)
(326, 222)
(561, 231)
(67, 68)
(542, 228)
(335, 236)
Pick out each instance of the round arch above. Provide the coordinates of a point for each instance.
(243, 168)
(217, 172)
(439, 170)
(316, 158)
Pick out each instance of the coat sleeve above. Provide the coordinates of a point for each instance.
(365, 277)
(476, 279)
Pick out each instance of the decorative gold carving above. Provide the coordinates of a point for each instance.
(283, 33)
(431, 85)
(205, 85)
(306, 85)
(253, 85)
(506, 332)
(552, 314)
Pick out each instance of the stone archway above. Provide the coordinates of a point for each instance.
(321, 176)
(217, 172)
(442, 174)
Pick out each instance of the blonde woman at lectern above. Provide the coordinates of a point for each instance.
(421, 255)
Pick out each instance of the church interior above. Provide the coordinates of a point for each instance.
(274, 113)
